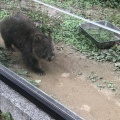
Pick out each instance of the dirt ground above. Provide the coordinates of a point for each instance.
(67, 81)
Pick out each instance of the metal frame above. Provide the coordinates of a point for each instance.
(35, 95)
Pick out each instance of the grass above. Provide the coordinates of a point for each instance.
(93, 10)
(100, 82)
(80, 3)
(5, 58)
(4, 14)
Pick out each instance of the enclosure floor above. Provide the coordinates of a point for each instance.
(66, 80)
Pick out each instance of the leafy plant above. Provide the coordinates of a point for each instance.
(111, 55)
(5, 57)
(101, 82)
(34, 83)
(5, 116)
(117, 66)
(4, 14)
(23, 72)
(110, 3)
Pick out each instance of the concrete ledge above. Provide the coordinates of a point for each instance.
(19, 107)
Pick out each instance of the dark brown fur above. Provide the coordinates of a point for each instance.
(21, 32)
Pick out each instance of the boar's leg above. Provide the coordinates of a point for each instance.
(32, 62)
(8, 42)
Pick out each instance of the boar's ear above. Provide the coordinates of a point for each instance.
(37, 37)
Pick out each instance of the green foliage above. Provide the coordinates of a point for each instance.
(110, 3)
(115, 18)
(100, 82)
(33, 83)
(83, 3)
(23, 73)
(91, 9)
(111, 55)
(5, 57)
(117, 66)
(5, 116)
(4, 14)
